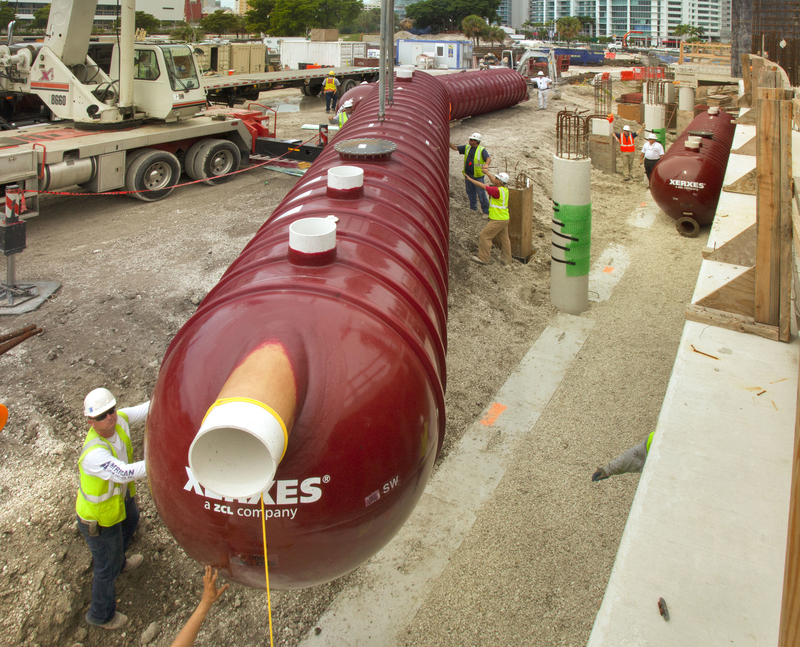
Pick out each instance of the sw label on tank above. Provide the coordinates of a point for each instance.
(386, 488)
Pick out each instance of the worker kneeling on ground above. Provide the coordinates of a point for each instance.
(106, 505)
(497, 227)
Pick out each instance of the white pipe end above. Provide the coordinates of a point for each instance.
(692, 146)
(404, 73)
(236, 452)
(713, 110)
(313, 235)
(345, 177)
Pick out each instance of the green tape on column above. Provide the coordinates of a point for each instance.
(661, 133)
(577, 224)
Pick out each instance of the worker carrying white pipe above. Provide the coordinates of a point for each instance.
(631, 461)
(543, 83)
(106, 505)
(497, 227)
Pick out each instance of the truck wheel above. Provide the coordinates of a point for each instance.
(311, 90)
(348, 84)
(215, 159)
(191, 156)
(153, 172)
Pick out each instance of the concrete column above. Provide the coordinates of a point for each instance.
(571, 237)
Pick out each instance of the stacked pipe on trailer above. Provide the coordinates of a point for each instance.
(687, 181)
(321, 368)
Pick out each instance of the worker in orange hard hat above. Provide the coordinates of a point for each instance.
(331, 88)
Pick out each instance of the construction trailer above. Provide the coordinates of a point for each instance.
(447, 54)
(330, 54)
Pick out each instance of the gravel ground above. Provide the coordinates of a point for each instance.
(133, 273)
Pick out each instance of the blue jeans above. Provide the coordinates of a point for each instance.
(475, 193)
(108, 551)
(330, 101)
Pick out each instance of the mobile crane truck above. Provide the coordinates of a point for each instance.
(135, 129)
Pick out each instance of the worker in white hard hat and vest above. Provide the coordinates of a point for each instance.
(497, 227)
(106, 505)
(475, 158)
(330, 88)
(543, 83)
(345, 112)
(627, 148)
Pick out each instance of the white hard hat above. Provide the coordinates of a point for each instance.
(97, 402)
(503, 177)
(626, 128)
(540, 73)
(475, 136)
(348, 104)
(652, 136)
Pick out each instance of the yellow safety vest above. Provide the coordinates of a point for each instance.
(330, 84)
(342, 118)
(498, 207)
(100, 500)
(477, 160)
(650, 440)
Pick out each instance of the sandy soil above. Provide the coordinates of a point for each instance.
(132, 273)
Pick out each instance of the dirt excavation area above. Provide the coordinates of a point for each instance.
(132, 273)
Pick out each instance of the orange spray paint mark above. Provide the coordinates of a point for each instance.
(493, 414)
(608, 269)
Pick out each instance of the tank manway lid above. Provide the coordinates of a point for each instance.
(707, 134)
(375, 150)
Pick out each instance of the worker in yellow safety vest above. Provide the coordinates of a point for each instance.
(497, 227)
(475, 158)
(345, 112)
(627, 462)
(330, 89)
(106, 505)
(627, 148)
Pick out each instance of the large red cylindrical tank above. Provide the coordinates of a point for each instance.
(364, 329)
(476, 92)
(686, 183)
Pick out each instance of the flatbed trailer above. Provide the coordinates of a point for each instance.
(231, 90)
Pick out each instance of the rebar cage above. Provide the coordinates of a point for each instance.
(572, 135)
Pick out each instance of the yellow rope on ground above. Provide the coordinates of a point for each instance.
(266, 568)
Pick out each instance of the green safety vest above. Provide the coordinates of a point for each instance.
(650, 440)
(342, 118)
(498, 207)
(100, 500)
(476, 161)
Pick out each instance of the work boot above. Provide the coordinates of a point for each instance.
(118, 621)
(132, 563)
(475, 259)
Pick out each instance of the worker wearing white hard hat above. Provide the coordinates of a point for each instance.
(652, 151)
(106, 505)
(627, 149)
(344, 114)
(476, 157)
(497, 227)
(543, 83)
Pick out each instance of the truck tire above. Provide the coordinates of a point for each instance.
(152, 171)
(215, 159)
(348, 84)
(191, 155)
(311, 90)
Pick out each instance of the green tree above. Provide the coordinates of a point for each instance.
(187, 33)
(147, 21)
(369, 21)
(7, 13)
(497, 35)
(220, 22)
(447, 15)
(682, 31)
(568, 28)
(474, 27)
(587, 24)
(258, 14)
(296, 17)
(40, 17)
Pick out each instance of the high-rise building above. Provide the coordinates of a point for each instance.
(655, 19)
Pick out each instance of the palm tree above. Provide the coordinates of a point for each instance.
(681, 31)
(568, 28)
(496, 34)
(474, 27)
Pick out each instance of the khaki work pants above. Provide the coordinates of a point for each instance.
(495, 229)
(627, 164)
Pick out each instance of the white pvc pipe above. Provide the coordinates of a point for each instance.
(313, 235)
(405, 74)
(686, 98)
(572, 185)
(237, 450)
(345, 177)
(653, 117)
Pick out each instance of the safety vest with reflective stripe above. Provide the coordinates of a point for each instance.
(330, 84)
(342, 118)
(650, 440)
(100, 500)
(498, 207)
(626, 144)
(477, 161)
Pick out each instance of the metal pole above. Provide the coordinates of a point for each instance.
(382, 65)
(390, 50)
